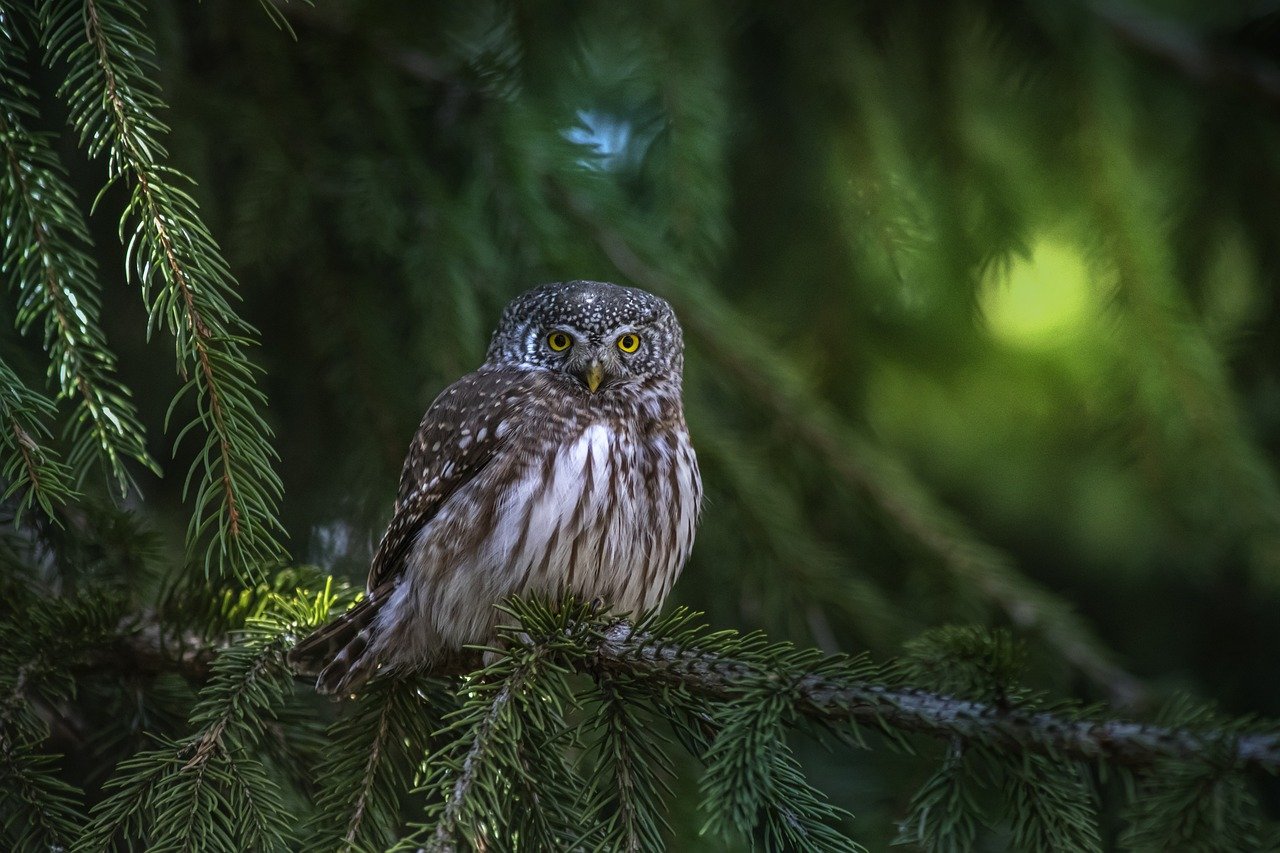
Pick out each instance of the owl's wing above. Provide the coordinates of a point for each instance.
(459, 436)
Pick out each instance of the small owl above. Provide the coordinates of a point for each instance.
(562, 465)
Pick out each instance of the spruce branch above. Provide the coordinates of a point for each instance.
(1192, 807)
(48, 817)
(823, 695)
(828, 690)
(630, 777)
(447, 827)
(944, 812)
(46, 252)
(186, 284)
(30, 468)
(754, 783)
(1052, 805)
(502, 778)
(381, 733)
(502, 774)
(372, 749)
(209, 789)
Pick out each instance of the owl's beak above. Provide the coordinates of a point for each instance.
(593, 375)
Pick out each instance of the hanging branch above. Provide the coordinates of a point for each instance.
(481, 735)
(30, 469)
(47, 252)
(372, 749)
(185, 282)
(502, 771)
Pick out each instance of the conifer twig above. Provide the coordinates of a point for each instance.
(28, 468)
(115, 105)
(45, 247)
(443, 839)
(367, 778)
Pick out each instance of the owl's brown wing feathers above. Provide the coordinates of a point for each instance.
(459, 436)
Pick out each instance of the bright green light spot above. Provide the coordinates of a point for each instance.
(1039, 300)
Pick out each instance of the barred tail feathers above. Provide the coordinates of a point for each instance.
(339, 652)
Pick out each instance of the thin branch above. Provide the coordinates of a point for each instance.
(29, 468)
(46, 248)
(126, 133)
(1196, 58)
(186, 284)
(370, 769)
(442, 840)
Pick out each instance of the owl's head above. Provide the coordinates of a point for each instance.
(602, 335)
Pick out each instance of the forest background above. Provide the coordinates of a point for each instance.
(983, 325)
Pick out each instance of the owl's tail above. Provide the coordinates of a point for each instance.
(339, 652)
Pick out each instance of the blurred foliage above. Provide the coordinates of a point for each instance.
(983, 324)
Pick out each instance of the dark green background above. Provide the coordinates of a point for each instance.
(1013, 262)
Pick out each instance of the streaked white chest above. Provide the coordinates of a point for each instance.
(608, 515)
(611, 517)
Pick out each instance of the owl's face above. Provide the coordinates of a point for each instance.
(601, 335)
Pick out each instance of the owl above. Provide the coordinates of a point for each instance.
(563, 464)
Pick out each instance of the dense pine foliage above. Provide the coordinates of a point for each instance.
(983, 318)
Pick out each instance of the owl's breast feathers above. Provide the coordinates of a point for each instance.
(596, 494)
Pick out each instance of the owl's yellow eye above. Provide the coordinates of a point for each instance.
(629, 342)
(559, 341)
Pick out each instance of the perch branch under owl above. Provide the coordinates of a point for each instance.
(621, 650)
